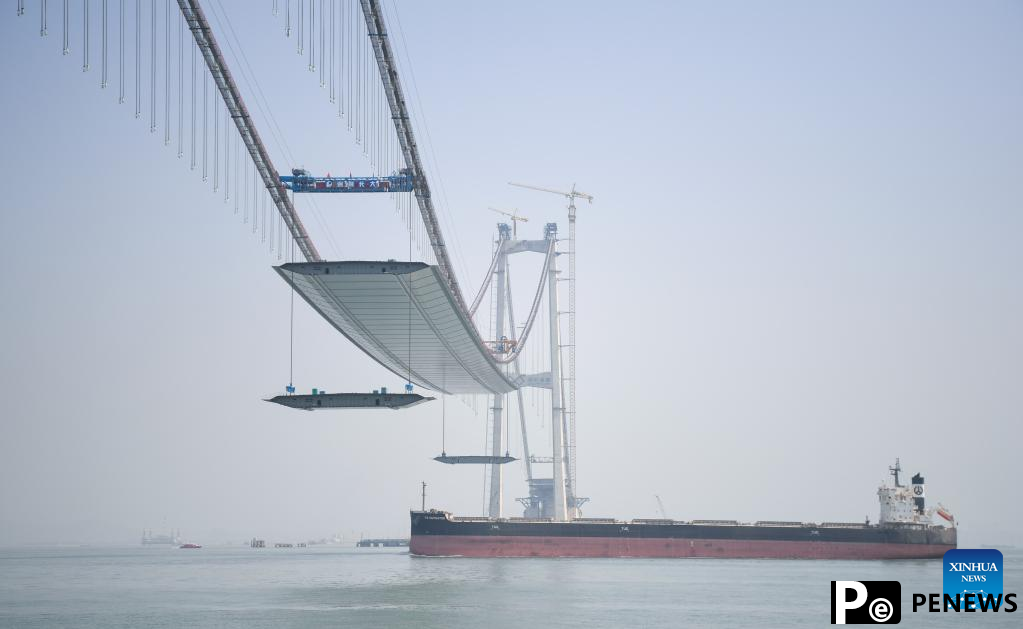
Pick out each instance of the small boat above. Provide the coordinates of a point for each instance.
(190, 546)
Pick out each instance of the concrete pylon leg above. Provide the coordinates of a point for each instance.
(497, 471)
(557, 410)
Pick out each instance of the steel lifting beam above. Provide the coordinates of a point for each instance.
(196, 20)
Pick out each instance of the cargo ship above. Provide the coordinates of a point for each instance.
(904, 531)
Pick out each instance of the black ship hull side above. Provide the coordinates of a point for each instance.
(437, 533)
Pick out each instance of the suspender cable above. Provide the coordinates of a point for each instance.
(103, 73)
(358, 84)
(194, 51)
(273, 231)
(322, 47)
(138, 58)
(237, 179)
(181, 87)
(85, 36)
(120, 96)
(341, 58)
(205, 108)
(152, 66)
(332, 53)
(167, 73)
(280, 236)
(227, 157)
(408, 384)
(245, 191)
(291, 324)
(67, 35)
(255, 201)
(216, 144)
(351, 55)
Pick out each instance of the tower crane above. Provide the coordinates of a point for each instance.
(515, 218)
(571, 196)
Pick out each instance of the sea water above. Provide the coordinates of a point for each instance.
(333, 586)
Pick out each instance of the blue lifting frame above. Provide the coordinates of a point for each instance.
(301, 181)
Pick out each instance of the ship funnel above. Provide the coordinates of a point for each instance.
(918, 493)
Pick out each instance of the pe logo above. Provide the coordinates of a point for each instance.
(977, 572)
(866, 602)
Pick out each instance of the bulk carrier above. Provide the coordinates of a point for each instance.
(904, 531)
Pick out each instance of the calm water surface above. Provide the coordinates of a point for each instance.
(345, 587)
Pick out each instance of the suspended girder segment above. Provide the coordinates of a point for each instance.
(392, 401)
(403, 315)
(474, 460)
(520, 246)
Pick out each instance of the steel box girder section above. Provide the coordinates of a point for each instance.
(335, 401)
(522, 246)
(474, 460)
(403, 316)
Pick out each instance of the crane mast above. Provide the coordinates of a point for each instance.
(660, 505)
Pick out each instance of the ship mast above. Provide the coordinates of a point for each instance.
(895, 471)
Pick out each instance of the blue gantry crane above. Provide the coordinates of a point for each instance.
(301, 180)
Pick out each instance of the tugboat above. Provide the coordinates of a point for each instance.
(904, 531)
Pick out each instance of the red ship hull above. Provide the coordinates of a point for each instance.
(525, 546)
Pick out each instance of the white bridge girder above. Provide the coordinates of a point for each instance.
(403, 315)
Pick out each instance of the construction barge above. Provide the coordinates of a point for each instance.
(904, 531)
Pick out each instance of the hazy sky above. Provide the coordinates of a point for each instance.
(803, 261)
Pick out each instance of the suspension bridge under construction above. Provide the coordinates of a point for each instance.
(411, 316)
